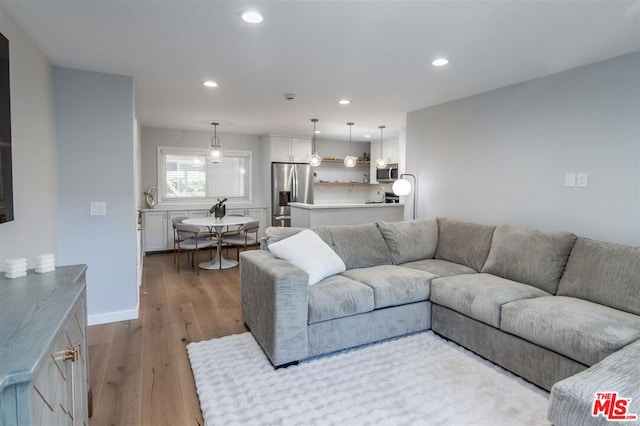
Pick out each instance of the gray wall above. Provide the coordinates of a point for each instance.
(152, 138)
(95, 130)
(34, 230)
(501, 156)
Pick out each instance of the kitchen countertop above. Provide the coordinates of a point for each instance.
(343, 205)
(336, 213)
(198, 207)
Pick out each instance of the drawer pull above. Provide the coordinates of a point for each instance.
(71, 354)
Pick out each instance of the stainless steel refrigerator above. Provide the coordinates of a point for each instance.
(290, 182)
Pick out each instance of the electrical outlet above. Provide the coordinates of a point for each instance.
(583, 180)
(98, 209)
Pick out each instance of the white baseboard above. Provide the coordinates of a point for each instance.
(113, 316)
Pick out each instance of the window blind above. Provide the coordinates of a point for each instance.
(186, 175)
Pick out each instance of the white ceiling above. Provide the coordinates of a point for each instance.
(376, 53)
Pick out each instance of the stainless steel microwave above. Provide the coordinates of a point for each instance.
(388, 174)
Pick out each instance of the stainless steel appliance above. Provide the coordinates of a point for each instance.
(390, 197)
(388, 174)
(290, 182)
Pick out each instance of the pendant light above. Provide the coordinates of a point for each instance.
(214, 154)
(381, 163)
(315, 158)
(350, 161)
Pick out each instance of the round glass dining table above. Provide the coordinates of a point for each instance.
(217, 225)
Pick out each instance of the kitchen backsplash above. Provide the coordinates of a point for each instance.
(344, 193)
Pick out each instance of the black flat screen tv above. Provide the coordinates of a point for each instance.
(6, 179)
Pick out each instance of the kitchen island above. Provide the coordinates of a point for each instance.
(307, 215)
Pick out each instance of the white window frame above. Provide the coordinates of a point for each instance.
(165, 150)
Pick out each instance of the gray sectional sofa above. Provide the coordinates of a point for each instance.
(561, 311)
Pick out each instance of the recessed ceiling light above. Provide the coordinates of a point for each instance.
(344, 101)
(439, 62)
(318, 131)
(367, 136)
(252, 17)
(210, 83)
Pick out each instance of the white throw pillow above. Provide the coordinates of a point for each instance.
(308, 252)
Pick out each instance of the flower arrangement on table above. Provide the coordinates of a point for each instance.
(219, 210)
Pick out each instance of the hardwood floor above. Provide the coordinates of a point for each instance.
(139, 370)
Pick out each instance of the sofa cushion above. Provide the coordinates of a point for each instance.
(463, 242)
(571, 400)
(307, 251)
(410, 240)
(581, 330)
(604, 273)
(393, 285)
(273, 234)
(528, 256)
(480, 296)
(337, 297)
(359, 246)
(276, 233)
(441, 268)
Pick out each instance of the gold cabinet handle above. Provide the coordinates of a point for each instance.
(71, 354)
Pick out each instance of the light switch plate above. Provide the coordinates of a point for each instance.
(98, 209)
(583, 180)
(570, 179)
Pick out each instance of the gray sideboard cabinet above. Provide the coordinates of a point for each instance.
(43, 348)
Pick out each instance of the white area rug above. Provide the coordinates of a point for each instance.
(420, 379)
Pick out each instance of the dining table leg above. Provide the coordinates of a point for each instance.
(219, 262)
(219, 254)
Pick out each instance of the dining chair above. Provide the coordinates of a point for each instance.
(233, 228)
(245, 235)
(205, 234)
(189, 240)
(175, 221)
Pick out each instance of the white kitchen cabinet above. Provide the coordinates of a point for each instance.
(300, 150)
(158, 224)
(172, 214)
(155, 230)
(390, 151)
(285, 149)
(280, 148)
(237, 212)
(158, 227)
(198, 213)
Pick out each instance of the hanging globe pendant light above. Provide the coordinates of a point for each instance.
(381, 163)
(315, 158)
(214, 153)
(350, 161)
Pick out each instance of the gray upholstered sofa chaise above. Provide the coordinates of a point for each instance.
(559, 310)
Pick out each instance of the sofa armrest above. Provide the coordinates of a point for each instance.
(571, 400)
(275, 305)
